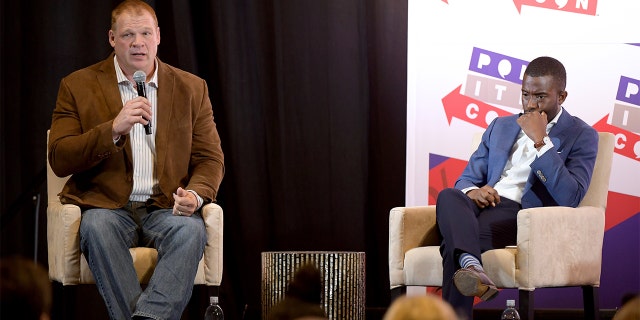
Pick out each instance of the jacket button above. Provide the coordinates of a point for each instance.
(542, 177)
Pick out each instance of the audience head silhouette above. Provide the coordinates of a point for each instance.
(306, 284)
(630, 309)
(302, 298)
(25, 290)
(429, 307)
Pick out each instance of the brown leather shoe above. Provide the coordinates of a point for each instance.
(473, 282)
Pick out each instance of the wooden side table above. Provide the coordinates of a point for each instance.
(343, 276)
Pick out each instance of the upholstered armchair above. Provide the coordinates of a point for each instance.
(67, 265)
(556, 246)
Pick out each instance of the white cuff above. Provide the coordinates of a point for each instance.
(544, 148)
(465, 190)
(200, 201)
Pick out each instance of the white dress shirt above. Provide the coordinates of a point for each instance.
(143, 146)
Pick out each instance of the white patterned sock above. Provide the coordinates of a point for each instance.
(467, 260)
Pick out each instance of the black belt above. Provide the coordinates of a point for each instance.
(134, 206)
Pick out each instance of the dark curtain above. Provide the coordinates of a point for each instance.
(309, 97)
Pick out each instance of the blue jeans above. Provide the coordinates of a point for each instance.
(105, 238)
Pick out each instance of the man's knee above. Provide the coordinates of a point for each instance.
(449, 194)
(453, 204)
(193, 228)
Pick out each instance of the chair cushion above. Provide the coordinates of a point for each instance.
(144, 261)
(423, 267)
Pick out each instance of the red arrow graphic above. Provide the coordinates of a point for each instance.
(469, 109)
(620, 207)
(627, 142)
(575, 6)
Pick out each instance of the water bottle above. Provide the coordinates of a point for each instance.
(510, 312)
(214, 312)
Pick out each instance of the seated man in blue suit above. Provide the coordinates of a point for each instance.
(541, 157)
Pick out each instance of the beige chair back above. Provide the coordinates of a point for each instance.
(599, 188)
(54, 183)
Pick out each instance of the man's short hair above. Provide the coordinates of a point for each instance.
(547, 66)
(135, 6)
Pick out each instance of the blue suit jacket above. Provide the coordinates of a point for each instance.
(560, 176)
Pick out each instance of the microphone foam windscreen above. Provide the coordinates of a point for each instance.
(139, 76)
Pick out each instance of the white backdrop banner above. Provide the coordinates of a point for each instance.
(466, 59)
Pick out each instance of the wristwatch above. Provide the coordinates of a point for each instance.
(546, 140)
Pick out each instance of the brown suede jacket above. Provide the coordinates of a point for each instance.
(188, 148)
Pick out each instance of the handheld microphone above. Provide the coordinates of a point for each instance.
(140, 77)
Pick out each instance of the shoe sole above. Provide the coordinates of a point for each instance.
(470, 285)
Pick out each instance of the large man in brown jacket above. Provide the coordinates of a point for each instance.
(136, 188)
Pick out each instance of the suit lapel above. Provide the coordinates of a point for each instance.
(503, 141)
(109, 85)
(111, 94)
(559, 134)
(166, 80)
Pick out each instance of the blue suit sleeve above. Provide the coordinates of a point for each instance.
(476, 171)
(567, 179)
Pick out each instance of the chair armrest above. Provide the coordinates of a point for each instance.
(409, 227)
(571, 236)
(213, 221)
(63, 242)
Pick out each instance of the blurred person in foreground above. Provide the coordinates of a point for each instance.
(302, 298)
(429, 307)
(630, 309)
(25, 290)
(137, 188)
(541, 157)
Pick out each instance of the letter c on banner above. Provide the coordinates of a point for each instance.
(472, 111)
(621, 137)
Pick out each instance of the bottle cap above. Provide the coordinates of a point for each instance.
(511, 303)
(213, 299)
